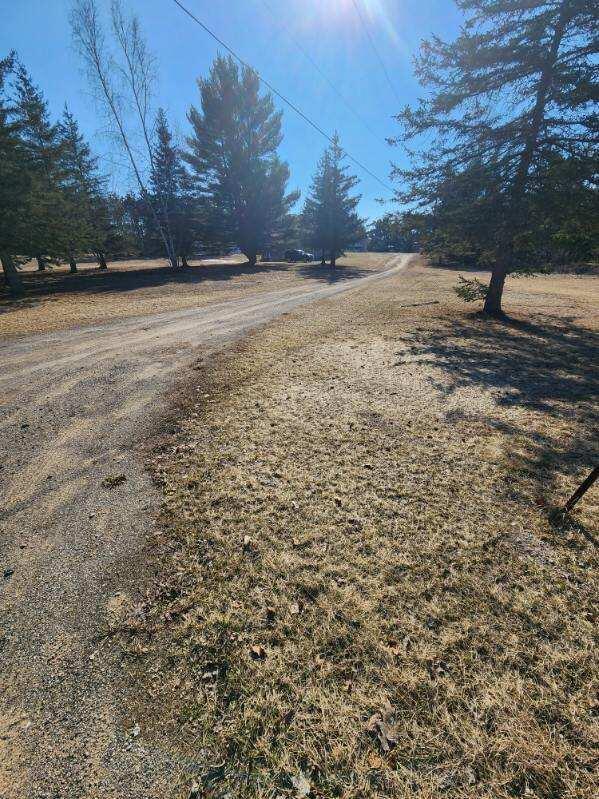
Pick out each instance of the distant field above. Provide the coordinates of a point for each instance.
(57, 300)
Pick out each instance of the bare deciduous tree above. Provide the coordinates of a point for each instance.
(138, 73)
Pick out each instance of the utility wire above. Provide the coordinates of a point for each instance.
(366, 26)
(279, 95)
(323, 75)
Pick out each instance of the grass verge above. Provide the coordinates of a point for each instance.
(366, 591)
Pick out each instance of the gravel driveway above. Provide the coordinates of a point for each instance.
(76, 507)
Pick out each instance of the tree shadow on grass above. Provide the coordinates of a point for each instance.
(548, 365)
(115, 279)
(39, 286)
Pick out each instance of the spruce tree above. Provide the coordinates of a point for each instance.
(82, 188)
(40, 138)
(515, 88)
(563, 213)
(171, 187)
(233, 155)
(14, 181)
(329, 216)
(314, 216)
(118, 235)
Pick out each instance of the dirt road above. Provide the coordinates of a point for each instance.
(76, 508)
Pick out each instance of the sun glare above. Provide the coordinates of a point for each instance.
(348, 14)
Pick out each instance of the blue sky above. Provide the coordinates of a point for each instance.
(259, 31)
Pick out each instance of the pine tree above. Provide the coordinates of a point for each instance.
(329, 214)
(463, 225)
(14, 181)
(103, 234)
(563, 213)
(515, 88)
(82, 187)
(559, 222)
(233, 154)
(46, 233)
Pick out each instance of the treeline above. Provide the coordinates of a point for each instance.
(52, 203)
(224, 187)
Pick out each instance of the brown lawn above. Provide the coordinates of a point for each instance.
(365, 589)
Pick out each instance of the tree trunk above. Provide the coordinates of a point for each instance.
(72, 264)
(102, 261)
(494, 296)
(322, 258)
(333, 260)
(41, 263)
(12, 277)
(492, 305)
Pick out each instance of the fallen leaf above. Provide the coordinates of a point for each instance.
(302, 785)
(375, 760)
(380, 725)
(257, 652)
(294, 609)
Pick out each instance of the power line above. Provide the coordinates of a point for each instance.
(323, 74)
(279, 95)
(366, 27)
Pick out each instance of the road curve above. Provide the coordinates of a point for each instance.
(73, 407)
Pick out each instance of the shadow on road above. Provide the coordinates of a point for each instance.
(331, 275)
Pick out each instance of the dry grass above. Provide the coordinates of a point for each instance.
(366, 592)
(56, 300)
